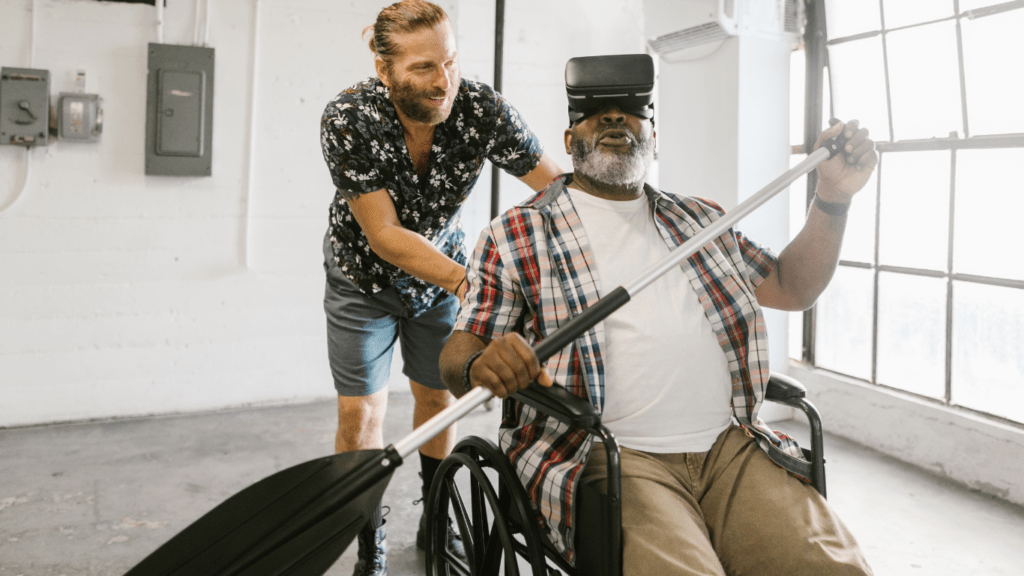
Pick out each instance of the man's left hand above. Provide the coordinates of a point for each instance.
(841, 177)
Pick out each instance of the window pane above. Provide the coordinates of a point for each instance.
(849, 17)
(989, 202)
(912, 333)
(906, 12)
(988, 368)
(924, 81)
(994, 73)
(914, 215)
(859, 240)
(857, 79)
(843, 323)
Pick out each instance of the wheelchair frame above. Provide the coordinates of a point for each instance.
(490, 540)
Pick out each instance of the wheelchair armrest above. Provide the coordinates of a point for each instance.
(563, 405)
(783, 388)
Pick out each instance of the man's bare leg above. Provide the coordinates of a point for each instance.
(429, 403)
(361, 421)
(361, 427)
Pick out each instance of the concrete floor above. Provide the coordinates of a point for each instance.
(95, 498)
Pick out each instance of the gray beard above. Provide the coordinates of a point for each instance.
(614, 169)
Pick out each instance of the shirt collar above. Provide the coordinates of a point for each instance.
(558, 187)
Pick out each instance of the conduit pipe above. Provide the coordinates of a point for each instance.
(499, 44)
(247, 222)
(32, 38)
(195, 23)
(206, 22)
(159, 21)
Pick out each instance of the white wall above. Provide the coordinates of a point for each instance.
(123, 294)
(982, 454)
(723, 134)
(540, 36)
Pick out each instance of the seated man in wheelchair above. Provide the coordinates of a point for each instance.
(679, 372)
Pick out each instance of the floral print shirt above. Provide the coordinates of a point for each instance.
(363, 143)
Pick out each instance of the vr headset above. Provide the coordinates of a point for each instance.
(594, 82)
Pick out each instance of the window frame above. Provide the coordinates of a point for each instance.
(817, 71)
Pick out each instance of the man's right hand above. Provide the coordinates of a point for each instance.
(506, 366)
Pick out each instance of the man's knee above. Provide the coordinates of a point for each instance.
(362, 412)
(430, 398)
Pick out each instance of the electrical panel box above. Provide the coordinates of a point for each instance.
(179, 111)
(79, 117)
(24, 107)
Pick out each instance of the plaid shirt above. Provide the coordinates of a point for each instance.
(533, 270)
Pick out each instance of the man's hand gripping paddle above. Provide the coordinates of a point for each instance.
(300, 520)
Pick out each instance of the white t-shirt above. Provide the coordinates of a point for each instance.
(667, 382)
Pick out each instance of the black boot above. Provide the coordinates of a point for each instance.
(454, 541)
(372, 555)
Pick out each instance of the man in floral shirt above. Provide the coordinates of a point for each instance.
(404, 150)
(678, 372)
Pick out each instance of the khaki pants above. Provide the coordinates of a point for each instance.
(729, 511)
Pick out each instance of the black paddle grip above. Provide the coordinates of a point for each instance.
(835, 145)
(576, 327)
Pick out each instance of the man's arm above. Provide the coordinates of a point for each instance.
(457, 350)
(546, 171)
(807, 264)
(484, 334)
(505, 366)
(409, 251)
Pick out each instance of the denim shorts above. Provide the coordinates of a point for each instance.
(362, 330)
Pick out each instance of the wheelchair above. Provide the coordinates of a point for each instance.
(477, 488)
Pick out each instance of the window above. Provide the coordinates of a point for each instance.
(929, 294)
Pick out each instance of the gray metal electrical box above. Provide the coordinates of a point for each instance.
(179, 111)
(79, 117)
(24, 106)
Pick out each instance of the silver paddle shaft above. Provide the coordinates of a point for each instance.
(708, 234)
(478, 396)
(426, 431)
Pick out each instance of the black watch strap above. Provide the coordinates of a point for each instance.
(467, 384)
(832, 208)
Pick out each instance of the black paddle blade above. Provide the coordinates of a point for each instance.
(296, 522)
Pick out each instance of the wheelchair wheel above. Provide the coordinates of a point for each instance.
(489, 522)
